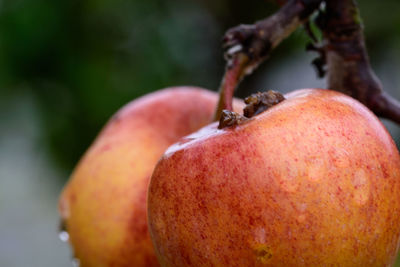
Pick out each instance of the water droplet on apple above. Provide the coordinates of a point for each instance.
(63, 234)
(260, 235)
(361, 187)
(76, 262)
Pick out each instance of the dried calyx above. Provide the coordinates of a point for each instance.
(259, 102)
(230, 118)
(255, 104)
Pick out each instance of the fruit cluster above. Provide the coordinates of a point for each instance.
(309, 179)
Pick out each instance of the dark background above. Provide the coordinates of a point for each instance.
(66, 66)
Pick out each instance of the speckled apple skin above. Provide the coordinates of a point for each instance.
(104, 203)
(313, 181)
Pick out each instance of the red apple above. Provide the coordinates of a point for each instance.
(104, 203)
(312, 181)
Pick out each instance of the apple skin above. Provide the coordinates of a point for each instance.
(312, 181)
(104, 204)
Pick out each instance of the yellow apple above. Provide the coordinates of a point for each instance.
(103, 205)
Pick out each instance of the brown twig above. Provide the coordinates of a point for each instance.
(246, 46)
(348, 67)
(343, 55)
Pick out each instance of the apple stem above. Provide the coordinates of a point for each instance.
(342, 54)
(233, 74)
(246, 46)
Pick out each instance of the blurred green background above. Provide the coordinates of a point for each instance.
(66, 66)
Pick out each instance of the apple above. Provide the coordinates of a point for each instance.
(311, 181)
(103, 206)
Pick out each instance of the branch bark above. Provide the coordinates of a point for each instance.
(348, 67)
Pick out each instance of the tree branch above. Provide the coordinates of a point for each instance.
(343, 55)
(348, 67)
(246, 46)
